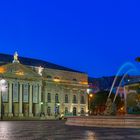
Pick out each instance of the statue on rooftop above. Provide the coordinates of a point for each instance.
(15, 58)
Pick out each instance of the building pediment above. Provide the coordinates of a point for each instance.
(18, 70)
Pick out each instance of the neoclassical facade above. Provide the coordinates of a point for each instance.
(45, 91)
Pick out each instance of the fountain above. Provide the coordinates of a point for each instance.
(131, 70)
(109, 104)
(109, 119)
(109, 107)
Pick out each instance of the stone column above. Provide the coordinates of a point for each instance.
(71, 100)
(45, 101)
(10, 114)
(79, 101)
(20, 101)
(86, 101)
(30, 102)
(62, 100)
(39, 100)
(0, 100)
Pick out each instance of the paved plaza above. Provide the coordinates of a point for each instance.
(57, 130)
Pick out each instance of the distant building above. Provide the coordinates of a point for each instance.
(37, 88)
(132, 97)
(105, 83)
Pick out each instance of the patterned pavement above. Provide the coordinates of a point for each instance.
(56, 130)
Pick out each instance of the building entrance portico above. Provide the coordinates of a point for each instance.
(23, 95)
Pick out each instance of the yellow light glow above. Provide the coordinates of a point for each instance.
(122, 108)
(2, 70)
(84, 83)
(20, 73)
(90, 95)
(56, 80)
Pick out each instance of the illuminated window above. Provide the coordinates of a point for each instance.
(56, 79)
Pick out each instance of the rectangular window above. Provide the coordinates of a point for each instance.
(49, 97)
(56, 98)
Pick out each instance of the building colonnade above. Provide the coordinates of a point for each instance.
(21, 99)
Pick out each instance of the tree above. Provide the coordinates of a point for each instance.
(100, 98)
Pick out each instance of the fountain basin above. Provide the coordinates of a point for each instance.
(105, 121)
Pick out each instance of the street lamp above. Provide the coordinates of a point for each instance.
(3, 88)
(90, 97)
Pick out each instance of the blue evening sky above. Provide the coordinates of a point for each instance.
(93, 36)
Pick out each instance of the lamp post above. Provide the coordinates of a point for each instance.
(90, 96)
(3, 88)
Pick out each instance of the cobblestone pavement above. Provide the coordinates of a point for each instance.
(56, 130)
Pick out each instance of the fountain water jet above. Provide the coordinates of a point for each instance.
(131, 70)
(109, 104)
(118, 73)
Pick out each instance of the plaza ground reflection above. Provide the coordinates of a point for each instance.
(57, 130)
(5, 130)
(90, 135)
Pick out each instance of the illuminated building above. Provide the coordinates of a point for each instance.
(38, 88)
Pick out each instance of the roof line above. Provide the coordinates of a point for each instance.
(36, 62)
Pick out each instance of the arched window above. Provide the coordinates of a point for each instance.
(49, 97)
(82, 111)
(74, 99)
(49, 111)
(74, 79)
(66, 98)
(56, 78)
(82, 99)
(66, 110)
(56, 98)
(57, 110)
(49, 76)
(74, 111)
